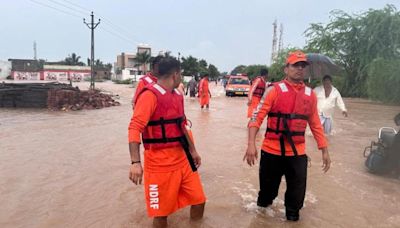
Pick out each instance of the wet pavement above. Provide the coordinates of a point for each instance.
(70, 169)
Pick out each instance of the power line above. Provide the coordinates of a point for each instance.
(117, 28)
(66, 6)
(76, 5)
(119, 36)
(45, 5)
(118, 31)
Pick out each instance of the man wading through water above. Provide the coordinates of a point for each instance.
(171, 180)
(290, 105)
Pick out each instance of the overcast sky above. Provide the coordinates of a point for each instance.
(223, 32)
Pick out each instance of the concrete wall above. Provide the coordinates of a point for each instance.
(5, 69)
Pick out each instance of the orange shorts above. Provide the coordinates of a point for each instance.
(169, 191)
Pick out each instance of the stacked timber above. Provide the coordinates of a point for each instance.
(54, 96)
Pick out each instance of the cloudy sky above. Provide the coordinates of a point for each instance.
(223, 32)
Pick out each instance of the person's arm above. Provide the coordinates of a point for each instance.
(340, 104)
(253, 87)
(255, 123)
(319, 136)
(145, 107)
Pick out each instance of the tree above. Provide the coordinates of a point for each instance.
(213, 71)
(190, 66)
(73, 60)
(142, 59)
(238, 70)
(355, 41)
(254, 70)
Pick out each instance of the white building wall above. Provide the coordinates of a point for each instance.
(5, 69)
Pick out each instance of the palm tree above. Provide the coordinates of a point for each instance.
(73, 60)
(142, 59)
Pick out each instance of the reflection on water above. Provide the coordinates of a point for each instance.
(70, 169)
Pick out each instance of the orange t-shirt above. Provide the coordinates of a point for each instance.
(272, 145)
(160, 160)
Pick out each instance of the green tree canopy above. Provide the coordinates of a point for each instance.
(190, 66)
(238, 70)
(355, 41)
(73, 60)
(142, 58)
(213, 71)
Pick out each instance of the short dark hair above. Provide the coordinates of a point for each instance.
(168, 65)
(156, 60)
(264, 71)
(327, 77)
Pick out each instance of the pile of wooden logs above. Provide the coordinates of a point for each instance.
(54, 96)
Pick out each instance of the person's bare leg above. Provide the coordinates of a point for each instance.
(197, 211)
(207, 106)
(160, 222)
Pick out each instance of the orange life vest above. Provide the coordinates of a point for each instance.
(149, 78)
(288, 117)
(165, 128)
(260, 89)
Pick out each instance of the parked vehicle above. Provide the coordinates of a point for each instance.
(383, 156)
(237, 86)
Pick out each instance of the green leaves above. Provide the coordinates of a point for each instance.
(355, 41)
(193, 66)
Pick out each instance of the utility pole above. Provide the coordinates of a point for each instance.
(92, 26)
(34, 50)
(280, 46)
(274, 43)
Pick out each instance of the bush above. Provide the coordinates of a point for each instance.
(383, 82)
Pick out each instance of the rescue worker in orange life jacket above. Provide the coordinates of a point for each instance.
(171, 180)
(149, 78)
(290, 105)
(257, 90)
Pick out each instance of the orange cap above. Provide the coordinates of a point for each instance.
(296, 56)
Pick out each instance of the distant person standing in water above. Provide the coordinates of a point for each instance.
(204, 92)
(192, 87)
(328, 98)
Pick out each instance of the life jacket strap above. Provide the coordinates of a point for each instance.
(289, 116)
(163, 121)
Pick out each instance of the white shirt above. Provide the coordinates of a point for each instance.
(326, 105)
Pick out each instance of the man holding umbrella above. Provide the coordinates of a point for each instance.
(328, 97)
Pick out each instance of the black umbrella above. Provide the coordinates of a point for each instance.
(320, 65)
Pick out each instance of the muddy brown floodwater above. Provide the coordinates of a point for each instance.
(70, 169)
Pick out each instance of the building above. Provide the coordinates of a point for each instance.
(5, 69)
(25, 69)
(34, 70)
(65, 73)
(127, 66)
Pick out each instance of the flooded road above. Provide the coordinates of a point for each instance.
(70, 169)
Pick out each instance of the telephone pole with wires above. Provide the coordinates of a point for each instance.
(92, 26)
